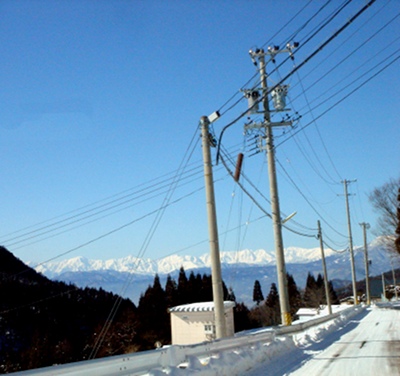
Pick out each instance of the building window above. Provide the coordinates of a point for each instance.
(209, 329)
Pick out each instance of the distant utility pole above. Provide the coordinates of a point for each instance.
(366, 226)
(278, 96)
(353, 270)
(321, 242)
(383, 288)
(394, 279)
(218, 295)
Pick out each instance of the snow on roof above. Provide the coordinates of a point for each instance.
(200, 307)
(307, 312)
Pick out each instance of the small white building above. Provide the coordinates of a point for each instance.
(194, 323)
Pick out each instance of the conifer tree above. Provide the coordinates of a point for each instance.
(182, 286)
(332, 294)
(154, 316)
(272, 302)
(320, 292)
(295, 300)
(171, 292)
(206, 289)
(193, 290)
(257, 292)
(310, 293)
(241, 317)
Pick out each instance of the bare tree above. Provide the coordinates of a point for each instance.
(384, 199)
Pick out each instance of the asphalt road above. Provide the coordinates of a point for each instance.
(369, 344)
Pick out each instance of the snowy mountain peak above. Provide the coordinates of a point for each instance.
(171, 263)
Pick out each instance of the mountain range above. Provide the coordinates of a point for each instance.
(130, 276)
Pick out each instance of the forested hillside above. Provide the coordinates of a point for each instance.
(45, 322)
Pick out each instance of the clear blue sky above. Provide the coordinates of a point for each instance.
(101, 100)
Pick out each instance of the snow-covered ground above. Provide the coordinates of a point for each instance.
(357, 341)
(365, 342)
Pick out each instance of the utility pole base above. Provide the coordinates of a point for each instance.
(287, 319)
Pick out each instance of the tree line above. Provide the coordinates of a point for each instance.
(267, 311)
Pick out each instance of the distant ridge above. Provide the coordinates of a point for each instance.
(171, 263)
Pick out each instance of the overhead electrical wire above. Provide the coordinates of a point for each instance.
(256, 74)
(112, 202)
(333, 249)
(331, 17)
(310, 195)
(361, 44)
(304, 25)
(257, 203)
(350, 74)
(340, 100)
(294, 70)
(306, 199)
(333, 181)
(160, 213)
(140, 255)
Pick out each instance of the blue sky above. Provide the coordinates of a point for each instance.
(100, 104)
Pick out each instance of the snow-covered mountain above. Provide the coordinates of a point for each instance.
(169, 264)
(131, 276)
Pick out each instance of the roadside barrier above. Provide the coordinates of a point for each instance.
(140, 363)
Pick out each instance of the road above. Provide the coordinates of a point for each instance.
(369, 344)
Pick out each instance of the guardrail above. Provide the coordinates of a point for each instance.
(174, 355)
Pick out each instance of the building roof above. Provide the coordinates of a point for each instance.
(307, 311)
(200, 307)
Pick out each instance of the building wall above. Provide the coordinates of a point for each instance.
(194, 327)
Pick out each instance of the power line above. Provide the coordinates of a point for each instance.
(306, 199)
(294, 70)
(340, 100)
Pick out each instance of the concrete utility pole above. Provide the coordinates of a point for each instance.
(394, 279)
(218, 295)
(383, 288)
(353, 270)
(366, 226)
(269, 147)
(321, 242)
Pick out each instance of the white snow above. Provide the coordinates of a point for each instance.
(288, 354)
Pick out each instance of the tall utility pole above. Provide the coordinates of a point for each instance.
(321, 242)
(275, 208)
(353, 270)
(218, 295)
(366, 226)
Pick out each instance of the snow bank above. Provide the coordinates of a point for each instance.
(270, 352)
